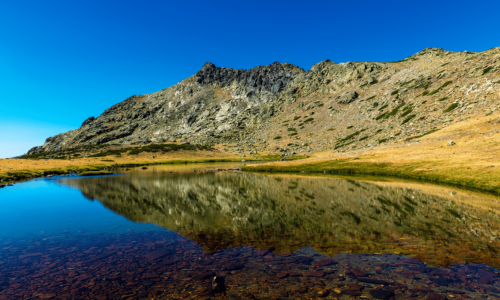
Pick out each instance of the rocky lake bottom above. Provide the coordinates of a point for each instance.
(186, 232)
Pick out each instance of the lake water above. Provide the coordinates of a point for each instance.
(165, 232)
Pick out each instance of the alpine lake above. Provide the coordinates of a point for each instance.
(194, 232)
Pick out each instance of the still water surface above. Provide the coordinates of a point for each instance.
(165, 232)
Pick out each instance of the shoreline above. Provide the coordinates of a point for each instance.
(19, 176)
(350, 167)
(347, 167)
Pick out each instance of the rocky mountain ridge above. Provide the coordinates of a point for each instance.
(281, 107)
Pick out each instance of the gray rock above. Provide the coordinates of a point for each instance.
(88, 121)
(348, 97)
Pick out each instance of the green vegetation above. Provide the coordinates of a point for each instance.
(372, 97)
(382, 141)
(383, 107)
(63, 154)
(349, 127)
(364, 138)
(22, 175)
(375, 104)
(378, 131)
(331, 129)
(410, 170)
(308, 120)
(291, 129)
(277, 137)
(351, 215)
(445, 64)
(395, 92)
(296, 118)
(293, 134)
(96, 173)
(407, 82)
(343, 145)
(444, 98)
(167, 148)
(454, 213)
(451, 107)
(487, 70)
(390, 113)
(350, 136)
(408, 119)
(447, 83)
(406, 111)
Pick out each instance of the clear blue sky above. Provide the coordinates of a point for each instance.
(64, 61)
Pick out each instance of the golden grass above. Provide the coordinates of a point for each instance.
(11, 169)
(473, 162)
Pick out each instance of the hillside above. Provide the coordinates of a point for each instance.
(281, 107)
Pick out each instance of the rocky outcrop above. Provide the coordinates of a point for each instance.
(332, 106)
(88, 121)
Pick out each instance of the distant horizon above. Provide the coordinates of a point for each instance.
(62, 62)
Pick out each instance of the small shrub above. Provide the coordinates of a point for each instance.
(372, 97)
(487, 70)
(406, 112)
(447, 83)
(309, 120)
(375, 104)
(349, 127)
(382, 141)
(296, 118)
(407, 82)
(383, 107)
(451, 107)
(419, 136)
(293, 134)
(364, 138)
(444, 98)
(277, 137)
(378, 131)
(331, 129)
(291, 129)
(445, 64)
(395, 92)
(408, 119)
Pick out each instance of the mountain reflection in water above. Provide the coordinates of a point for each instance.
(285, 213)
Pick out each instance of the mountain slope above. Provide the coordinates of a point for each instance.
(332, 106)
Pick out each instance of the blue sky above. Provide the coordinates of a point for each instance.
(64, 61)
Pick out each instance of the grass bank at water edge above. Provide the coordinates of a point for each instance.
(103, 168)
(486, 180)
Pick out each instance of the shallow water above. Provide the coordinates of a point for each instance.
(165, 232)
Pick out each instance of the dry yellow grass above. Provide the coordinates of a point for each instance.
(19, 169)
(473, 161)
